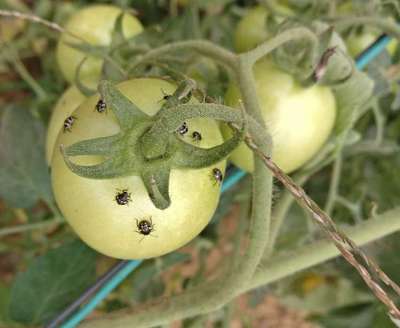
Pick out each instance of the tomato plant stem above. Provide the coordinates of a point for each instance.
(12, 57)
(334, 183)
(30, 226)
(280, 266)
(292, 34)
(371, 273)
(206, 48)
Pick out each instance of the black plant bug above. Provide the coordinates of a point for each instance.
(196, 136)
(68, 123)
(183, 129)
(101, 106)
(217, 175)
(123, 197)
(145, 227)
(166, 96)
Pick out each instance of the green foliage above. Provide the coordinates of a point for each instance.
(357, 316)
(51, 282)
(24, 175)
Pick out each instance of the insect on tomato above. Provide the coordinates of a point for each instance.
(92, 206)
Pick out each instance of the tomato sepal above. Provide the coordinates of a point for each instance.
(150, 147)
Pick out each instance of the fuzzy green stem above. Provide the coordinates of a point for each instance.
(292, 34)
(30, 227)
(334, 183)
(203, 47)
(27, 77)
(380, 123)
(284, 265)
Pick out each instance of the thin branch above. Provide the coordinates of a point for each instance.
(368, 270)
(292, 34)
(380, 123)
(37, 19)
(206, 48)
(288, 263)
(29, 227)
(13, 58)
(58, 28)
(334, 184)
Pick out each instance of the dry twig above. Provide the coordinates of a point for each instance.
(371, 273)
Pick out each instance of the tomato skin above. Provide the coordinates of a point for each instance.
(252, 28)
(299, 119)
(95, 25)
(89, 204)
(66, 104)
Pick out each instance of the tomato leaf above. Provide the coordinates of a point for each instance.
(51, 282)
(24, 176)
(356, 316)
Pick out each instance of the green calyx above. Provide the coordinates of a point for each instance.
(150, 146)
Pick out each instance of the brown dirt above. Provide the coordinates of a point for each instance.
(269, 313)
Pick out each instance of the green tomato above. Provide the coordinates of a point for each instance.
(357, 42)
(299, 119)
(252, 28)
(90, 205)
(67, 103)
(95, 25)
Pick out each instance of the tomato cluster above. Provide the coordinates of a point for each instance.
(117, 216)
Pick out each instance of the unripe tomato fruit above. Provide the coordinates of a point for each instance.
(95, 25)
(299, 119)
(90, 205)
(252, 28)
(68, 102)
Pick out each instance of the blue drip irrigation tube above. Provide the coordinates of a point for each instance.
(362, 61)
(102, 294)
